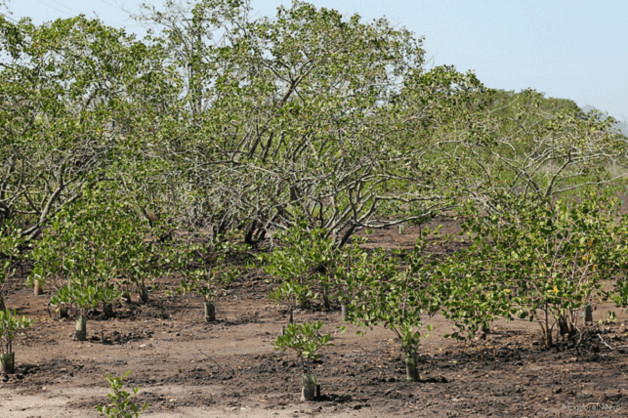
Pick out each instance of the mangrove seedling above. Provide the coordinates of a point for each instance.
(10, 325)
(306, 341)
(121, 405)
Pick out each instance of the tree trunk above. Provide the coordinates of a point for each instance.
(38, 288)
(547, 330)
(254, 234)
(326, 302)
(412, 370)
(547, 338)
(343, 311)
(210, 311)
(143, 292)
(588, 315)
(62, 311)
(484, 331)
(81, 328)
(250, 232)
(308, 392)
(108, 310)
(563, 326)
(7, 363)
(126, 297)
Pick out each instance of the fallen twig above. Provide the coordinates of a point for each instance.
(215, 362)
(609, 347)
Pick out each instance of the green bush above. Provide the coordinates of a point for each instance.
(10, 325)
(539, 260)
(121, 405)
(305, 340)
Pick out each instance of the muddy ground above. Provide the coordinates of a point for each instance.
(185, 367)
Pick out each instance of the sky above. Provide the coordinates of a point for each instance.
(571, 49)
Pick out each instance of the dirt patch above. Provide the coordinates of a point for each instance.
(186, 367)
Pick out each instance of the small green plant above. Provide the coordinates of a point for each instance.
(352, 267)
(305, 260)
(398, 300)
(10, 325)
(314, 268)
(121, 405)
(306, 341)
(292, 294)
(399, 304)
(81, 294)
(208, 269)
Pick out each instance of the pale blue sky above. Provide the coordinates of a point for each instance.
(573, 49)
